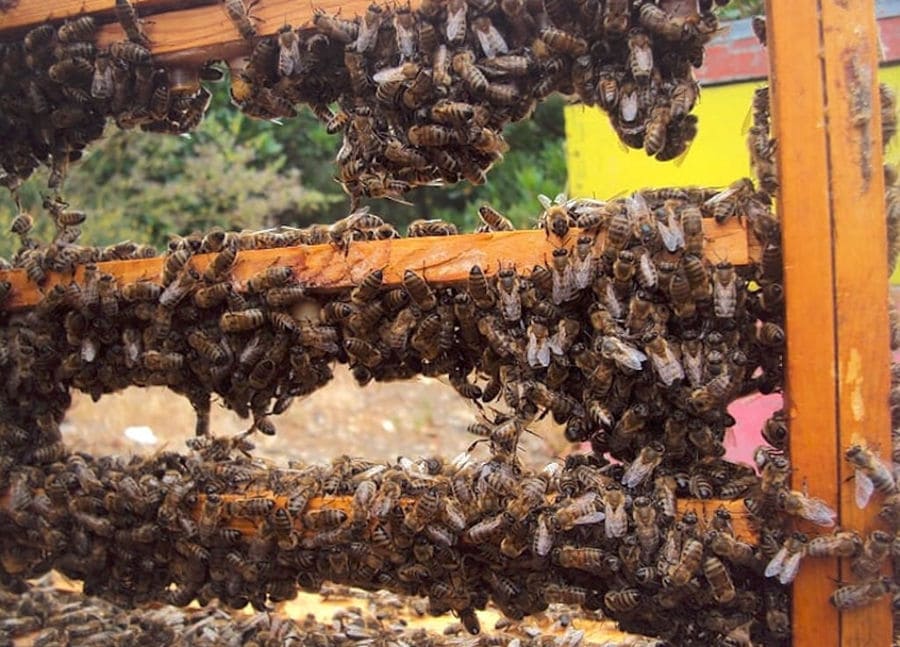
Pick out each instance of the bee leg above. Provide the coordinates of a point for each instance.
(202, 406)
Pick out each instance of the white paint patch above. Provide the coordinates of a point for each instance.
(141, 435)
(855, 382)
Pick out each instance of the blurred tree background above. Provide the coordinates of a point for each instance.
(238, 173)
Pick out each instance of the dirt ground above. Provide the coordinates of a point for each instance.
(422, 417)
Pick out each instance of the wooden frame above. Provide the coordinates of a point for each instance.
(823, 57)
(823, 80)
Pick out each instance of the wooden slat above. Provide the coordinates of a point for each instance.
(860, 268)
(705, 509)
(28, 13)
(443, 260)
(800, 128)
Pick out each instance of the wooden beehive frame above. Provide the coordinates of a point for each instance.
(823, 63)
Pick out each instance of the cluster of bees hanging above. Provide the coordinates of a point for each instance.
(634, 339)
(424, 94)
(627, 335)
(57, 89)
(218, 524)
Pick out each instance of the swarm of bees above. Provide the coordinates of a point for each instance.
(422, 95)
(217, 523)
(59, 88)
(627, 336)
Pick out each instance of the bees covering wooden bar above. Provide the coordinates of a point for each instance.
(460, 533)
(626, 335)
(423, 93)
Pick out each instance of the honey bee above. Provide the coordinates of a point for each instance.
(130, 52)
(719, 579)
(424, 510)
(623, 354)
(434, 227)
(239, 14)
(657, 125)
(786, 562)
(131, 23)
(663, 358)
(646, 525)
(643, 466)
(419, 291)
(455, 25)
(555, 219)
(640, 55)
(689, 562)
(463, 64)
(80, 29)
(369, 25)
(242, 321)
(615, 523)
(725, 545)
(875, 550)
(580, 511)
(871, 474)
(853, 596)
(289, 60)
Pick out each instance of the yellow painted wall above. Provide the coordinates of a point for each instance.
(600, 166)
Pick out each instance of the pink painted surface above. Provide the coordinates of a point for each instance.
(751, 414)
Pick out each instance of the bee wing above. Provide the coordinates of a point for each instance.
(672, 234)
(560, 199)
(819, 512)
(864, 489)
(776, 564)
(592, 517)
(668, 367)
(790, 568)
(491, 41)
(391, 74)
(722, 195)
(628, 106)
(583, 270)
(538, 352)
(643, 58)
(636, 472)
(456, 21)
(545, 201)
(544, 539)
(623, 353)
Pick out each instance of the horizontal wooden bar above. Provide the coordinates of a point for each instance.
(704, 509)
(183, 33)
(28, 13)
(441, 260)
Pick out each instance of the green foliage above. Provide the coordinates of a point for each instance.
(743, 9)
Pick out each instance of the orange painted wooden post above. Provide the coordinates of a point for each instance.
(825, 98)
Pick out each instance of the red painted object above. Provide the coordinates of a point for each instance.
(736, 55)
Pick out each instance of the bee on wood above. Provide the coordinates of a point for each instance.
(839, 544)
(853, 596)
(130, 52)
(80, 29)
(128, 18)
(867, 564)
(289, 60)
(786, 562)
(871, 474)
(239, 14)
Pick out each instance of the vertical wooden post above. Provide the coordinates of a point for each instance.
(831, 205)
